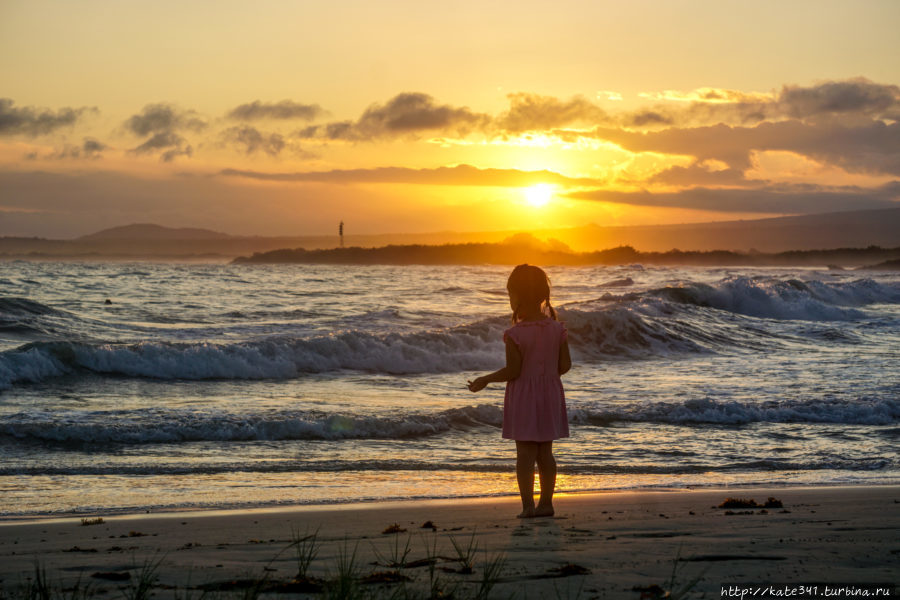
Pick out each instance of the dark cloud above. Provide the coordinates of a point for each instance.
(414, 112)
(67, 151)
(338, 130)
(411, 113)
(737, 113)
(703, 108)
(251, 140)
(851, 98)
(163, 122)
(173, 144)
(649, 117)
(159, 141)
(170, 155)
(731, 145)
(405, 114)
(90, 148)
(770, 199)
(857, 96)
(531, 112)
(286, 109)
(696, 175)
(93, 147)
(459, 175)
(872, 147)
(163, 118)
(31, 121)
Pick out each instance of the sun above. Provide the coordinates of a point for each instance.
(539, 195)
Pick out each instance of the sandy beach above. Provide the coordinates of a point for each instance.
(599, 545)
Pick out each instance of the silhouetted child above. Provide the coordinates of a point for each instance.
(534, 408)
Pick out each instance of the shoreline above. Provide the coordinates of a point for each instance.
(601, 543)
(176, 511)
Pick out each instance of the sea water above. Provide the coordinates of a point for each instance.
(223, 386)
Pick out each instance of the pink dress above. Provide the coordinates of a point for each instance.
(534, 408)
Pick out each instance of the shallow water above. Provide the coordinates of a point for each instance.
(221, 386)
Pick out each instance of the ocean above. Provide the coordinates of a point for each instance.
(202, 386)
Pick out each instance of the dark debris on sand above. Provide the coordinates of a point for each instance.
(299, 585)
(79, 549)
(395, 528)
(651, 592)
(569, 569)
(112, 575)
(229, 585)
(750, 503)
(385, 577)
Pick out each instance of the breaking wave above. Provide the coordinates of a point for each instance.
(156, 426)
(678, 319)
(791, 299)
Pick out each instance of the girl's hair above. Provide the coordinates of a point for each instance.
(530, 284)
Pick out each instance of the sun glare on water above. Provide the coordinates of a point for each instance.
(539, 195)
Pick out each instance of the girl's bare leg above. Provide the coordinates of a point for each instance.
(526, 454)
(547, 469)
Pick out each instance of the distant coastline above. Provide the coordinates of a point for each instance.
(730, 241)
(510, 253)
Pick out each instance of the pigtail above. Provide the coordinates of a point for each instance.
(552, 310)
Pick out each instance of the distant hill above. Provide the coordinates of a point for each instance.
(149, 232)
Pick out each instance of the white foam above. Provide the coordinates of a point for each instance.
(773, 298)
(607, 332)
(633, 326)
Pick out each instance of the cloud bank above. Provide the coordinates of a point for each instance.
(403, 115)
(845, 127)
(458, 175)
(284, 110)
(251, 140)
(32, 121)
(769, 199)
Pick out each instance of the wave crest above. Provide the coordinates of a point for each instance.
(175, 426)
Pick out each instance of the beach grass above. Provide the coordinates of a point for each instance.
(669, 544)
(306, 548)
(465, 554)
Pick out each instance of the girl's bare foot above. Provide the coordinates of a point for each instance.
(543, 511)
(527, 513)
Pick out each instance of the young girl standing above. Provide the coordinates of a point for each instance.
(534, 407)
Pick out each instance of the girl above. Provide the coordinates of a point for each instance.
(534, 408)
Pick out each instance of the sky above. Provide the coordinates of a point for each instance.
(287, 117)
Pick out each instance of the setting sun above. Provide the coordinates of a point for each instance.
(539, 195)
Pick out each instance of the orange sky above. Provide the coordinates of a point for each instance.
(283, 118)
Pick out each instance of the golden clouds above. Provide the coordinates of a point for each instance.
(712, 150)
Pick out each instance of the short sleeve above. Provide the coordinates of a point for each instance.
(511, 334)
(564, 335)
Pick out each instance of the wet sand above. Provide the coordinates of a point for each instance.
(606, 545)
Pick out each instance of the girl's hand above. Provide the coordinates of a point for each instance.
(477, 385)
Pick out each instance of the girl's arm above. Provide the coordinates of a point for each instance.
(512, 369)
(565, 359)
